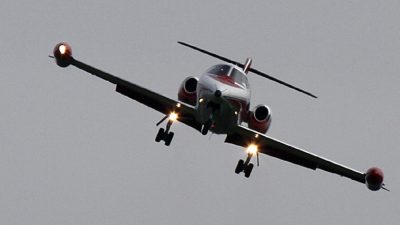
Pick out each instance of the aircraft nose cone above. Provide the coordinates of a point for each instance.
(217, 93)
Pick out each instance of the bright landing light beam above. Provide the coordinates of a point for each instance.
(173, 116)
(252, 149)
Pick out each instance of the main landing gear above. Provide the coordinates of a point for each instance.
(164, 134)
(245, 166)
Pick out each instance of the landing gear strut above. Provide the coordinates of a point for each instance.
(164, 134)
(245, 166)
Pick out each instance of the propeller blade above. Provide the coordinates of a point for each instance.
(251, 69)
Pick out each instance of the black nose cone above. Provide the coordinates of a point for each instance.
(217, 93)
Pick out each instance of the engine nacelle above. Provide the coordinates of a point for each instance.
(260, 119)
(187, 91)
(63, 54)
(374, 179)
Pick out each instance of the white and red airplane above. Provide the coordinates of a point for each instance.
(219, 102)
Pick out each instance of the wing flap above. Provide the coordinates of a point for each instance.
(157, 102)
(145, 96)
(267, 148)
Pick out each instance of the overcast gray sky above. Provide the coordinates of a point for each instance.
(73, 151)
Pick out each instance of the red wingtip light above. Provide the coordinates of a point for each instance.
(63, 54)
(374, 178)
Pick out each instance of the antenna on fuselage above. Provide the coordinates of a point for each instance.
(247, 68)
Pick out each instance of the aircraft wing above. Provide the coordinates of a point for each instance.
(147, 97)
(243, 136)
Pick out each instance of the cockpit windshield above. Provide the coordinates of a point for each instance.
(229, 71)
(220, 70)
(239, 78)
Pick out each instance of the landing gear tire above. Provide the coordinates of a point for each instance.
(160, 134)
(206, 127)
(239, 167)
(168, 138)
(164, 136)
(248, 169)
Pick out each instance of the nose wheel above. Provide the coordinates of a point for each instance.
(206, 127)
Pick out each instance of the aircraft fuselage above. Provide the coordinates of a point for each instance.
(222, 97)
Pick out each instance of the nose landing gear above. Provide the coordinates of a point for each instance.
(206, 127)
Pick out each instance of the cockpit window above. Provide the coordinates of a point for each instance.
(239, 78)
(220, 70)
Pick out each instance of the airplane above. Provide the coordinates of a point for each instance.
(218, 101)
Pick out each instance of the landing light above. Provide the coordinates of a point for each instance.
(62, 49)
(173, 116)
(252, 149)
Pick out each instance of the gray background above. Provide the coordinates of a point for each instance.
(73, 151)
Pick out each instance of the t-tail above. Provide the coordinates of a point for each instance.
(247, 68)
(247, 65)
